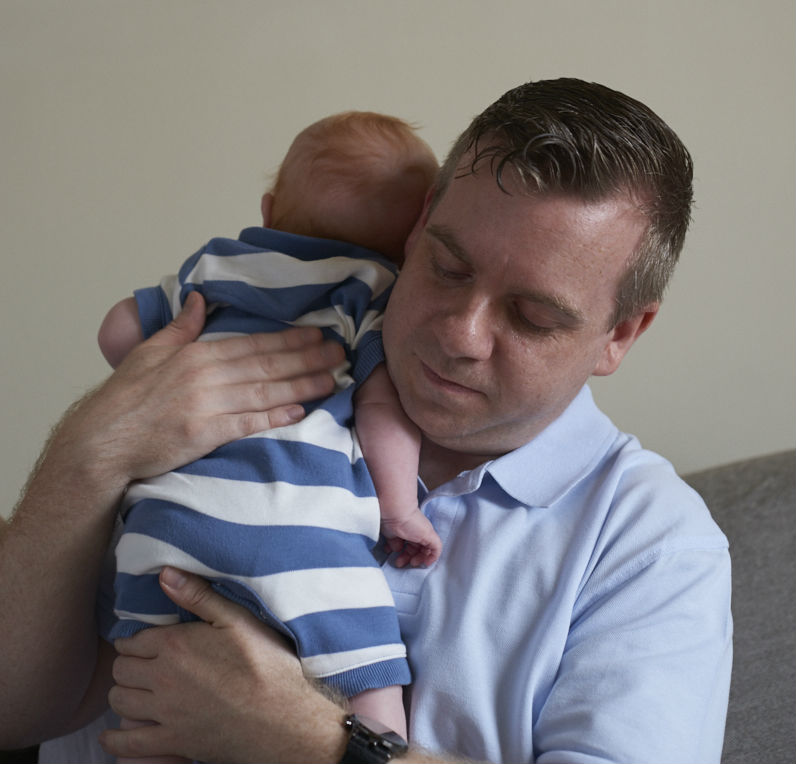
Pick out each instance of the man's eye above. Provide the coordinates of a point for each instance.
(536, 328)
(533, 322)
(451, 272)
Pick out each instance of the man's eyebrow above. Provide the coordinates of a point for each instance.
(444, 235)
(572, 316)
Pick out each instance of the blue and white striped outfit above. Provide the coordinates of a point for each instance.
(283, 521)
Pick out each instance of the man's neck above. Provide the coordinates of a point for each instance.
(438, 465)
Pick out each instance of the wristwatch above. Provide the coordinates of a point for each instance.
(370, 742)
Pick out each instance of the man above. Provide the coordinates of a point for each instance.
(580, 610)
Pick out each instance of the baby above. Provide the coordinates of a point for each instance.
(284, 521)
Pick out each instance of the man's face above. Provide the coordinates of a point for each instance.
(501, 311)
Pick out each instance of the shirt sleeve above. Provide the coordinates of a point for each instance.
(645, 672)
(158, 305)
(357, 313)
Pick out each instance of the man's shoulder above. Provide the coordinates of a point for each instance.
(649, 497)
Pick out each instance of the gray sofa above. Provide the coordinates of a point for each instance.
(754, 503)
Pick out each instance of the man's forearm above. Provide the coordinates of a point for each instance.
(224, 688)
(50, 559)
(170, 402)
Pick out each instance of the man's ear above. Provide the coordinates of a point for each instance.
(623, 335)
(427, 202)
(420, 224)
(266, 206)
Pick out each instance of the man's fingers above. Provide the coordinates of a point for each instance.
(279, 356)
(142, 645)
(136, 743)
(132, 672)
(301, 361)
(284, 341)
(275, 356)
(264, 396)
(131, 703)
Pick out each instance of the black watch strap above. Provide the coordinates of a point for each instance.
(370, 743)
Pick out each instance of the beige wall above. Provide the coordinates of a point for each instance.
(132, 131)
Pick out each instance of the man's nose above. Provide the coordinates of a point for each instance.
(465, 326)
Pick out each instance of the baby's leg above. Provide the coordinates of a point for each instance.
(385, 705)
(128, 724)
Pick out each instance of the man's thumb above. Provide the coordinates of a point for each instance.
(194, 594)
(187, 324)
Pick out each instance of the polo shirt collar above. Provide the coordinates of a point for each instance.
(545, 469)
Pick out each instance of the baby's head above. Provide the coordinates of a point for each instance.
(358, 176)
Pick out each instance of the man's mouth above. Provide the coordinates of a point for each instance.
(445, 384)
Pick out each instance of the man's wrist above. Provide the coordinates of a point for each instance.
(350, 739)
(311, 731)
(339, 740)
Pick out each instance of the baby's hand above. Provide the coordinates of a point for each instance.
(414, 537)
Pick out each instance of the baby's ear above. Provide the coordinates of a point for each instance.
(266, 205)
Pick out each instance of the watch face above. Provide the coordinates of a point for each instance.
(393, 742)
(371, 741)
(375, 726)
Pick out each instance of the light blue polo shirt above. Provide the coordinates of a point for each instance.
(580, 611)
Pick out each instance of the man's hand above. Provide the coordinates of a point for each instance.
(228, 689)
(173, 400)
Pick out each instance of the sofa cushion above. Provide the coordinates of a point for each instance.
(754, 503)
